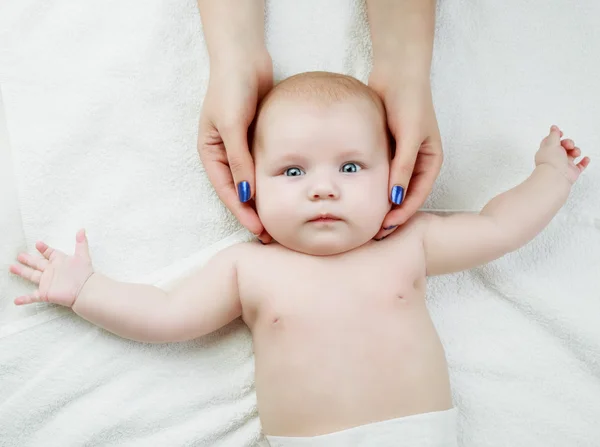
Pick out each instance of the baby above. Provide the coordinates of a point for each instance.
(345, 350)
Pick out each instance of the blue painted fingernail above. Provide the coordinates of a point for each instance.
(244, 191)
(397, 194)
(390, 228)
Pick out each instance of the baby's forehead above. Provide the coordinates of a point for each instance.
(290, 120)
(303, 97)
(320, 89)
(284, 111)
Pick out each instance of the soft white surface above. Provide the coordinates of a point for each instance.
(102, 102)
(10, 227)
(434, 429)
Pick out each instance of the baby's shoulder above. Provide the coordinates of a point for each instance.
(253, 253)
(244, 252)
(258, 263)
(413, 228)
(419, 219)
(233, 256)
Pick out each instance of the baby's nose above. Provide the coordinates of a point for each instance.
(324, 190)
(323, 194)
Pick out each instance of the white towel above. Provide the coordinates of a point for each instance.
(102, 102)
(11, 228)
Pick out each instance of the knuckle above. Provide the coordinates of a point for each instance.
(209, 152)
(231, 124)
(236, 163)
(208, 137)
(404, 170)
(239, 164)
(438, 162)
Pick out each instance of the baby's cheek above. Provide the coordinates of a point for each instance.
(373, 207)
(275, 212)
(374, 194)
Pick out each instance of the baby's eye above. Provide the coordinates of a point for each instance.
(350, 167)
(293, 172)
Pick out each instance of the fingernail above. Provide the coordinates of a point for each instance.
(397, 194)
(390, 228)
(244, 191)
(260, 241)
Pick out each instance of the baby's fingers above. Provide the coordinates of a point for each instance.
(573, 153)
(567, 143)
(33, 262)
(28, 299)
(45, 250)
(585, 161)
(555, 128)
(26, 272)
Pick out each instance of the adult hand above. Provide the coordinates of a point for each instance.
(413, 125)
(235, 87)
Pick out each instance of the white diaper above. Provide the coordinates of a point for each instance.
(435, 429)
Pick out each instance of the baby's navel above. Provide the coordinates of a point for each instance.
(275, 320)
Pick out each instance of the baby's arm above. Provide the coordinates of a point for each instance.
(511, 219)
(201, 304)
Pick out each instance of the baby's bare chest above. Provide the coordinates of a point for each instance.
(333, 291)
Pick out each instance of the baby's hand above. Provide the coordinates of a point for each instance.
(60, 277)
(561, 155)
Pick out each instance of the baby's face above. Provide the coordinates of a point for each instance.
(322, 174)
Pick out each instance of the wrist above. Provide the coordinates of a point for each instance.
(236, 54)
(400, 84)
(257, 60)
(559, 174)
(409, 61)
(81, 288)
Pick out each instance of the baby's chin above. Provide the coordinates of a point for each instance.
(324, 247)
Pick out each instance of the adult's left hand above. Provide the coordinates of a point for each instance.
(418, 155)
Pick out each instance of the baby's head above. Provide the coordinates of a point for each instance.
(321, 149)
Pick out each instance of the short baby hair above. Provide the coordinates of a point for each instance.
(321, 88)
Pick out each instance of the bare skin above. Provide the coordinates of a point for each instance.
(341, 332)
(333, 349)
(241, 73)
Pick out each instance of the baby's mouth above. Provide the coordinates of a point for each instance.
(325, 218)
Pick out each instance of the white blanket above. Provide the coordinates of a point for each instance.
(102, 102)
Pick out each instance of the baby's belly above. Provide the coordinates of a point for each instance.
(327, 368)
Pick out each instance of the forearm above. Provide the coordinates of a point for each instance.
(402, 33)
(232, 27)
(524, 211)
(134, 311)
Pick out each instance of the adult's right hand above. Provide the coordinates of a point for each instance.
(236, 85)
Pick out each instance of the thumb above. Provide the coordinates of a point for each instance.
(240, 161)
(402, 168)
(555, 134)
(82, 248)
